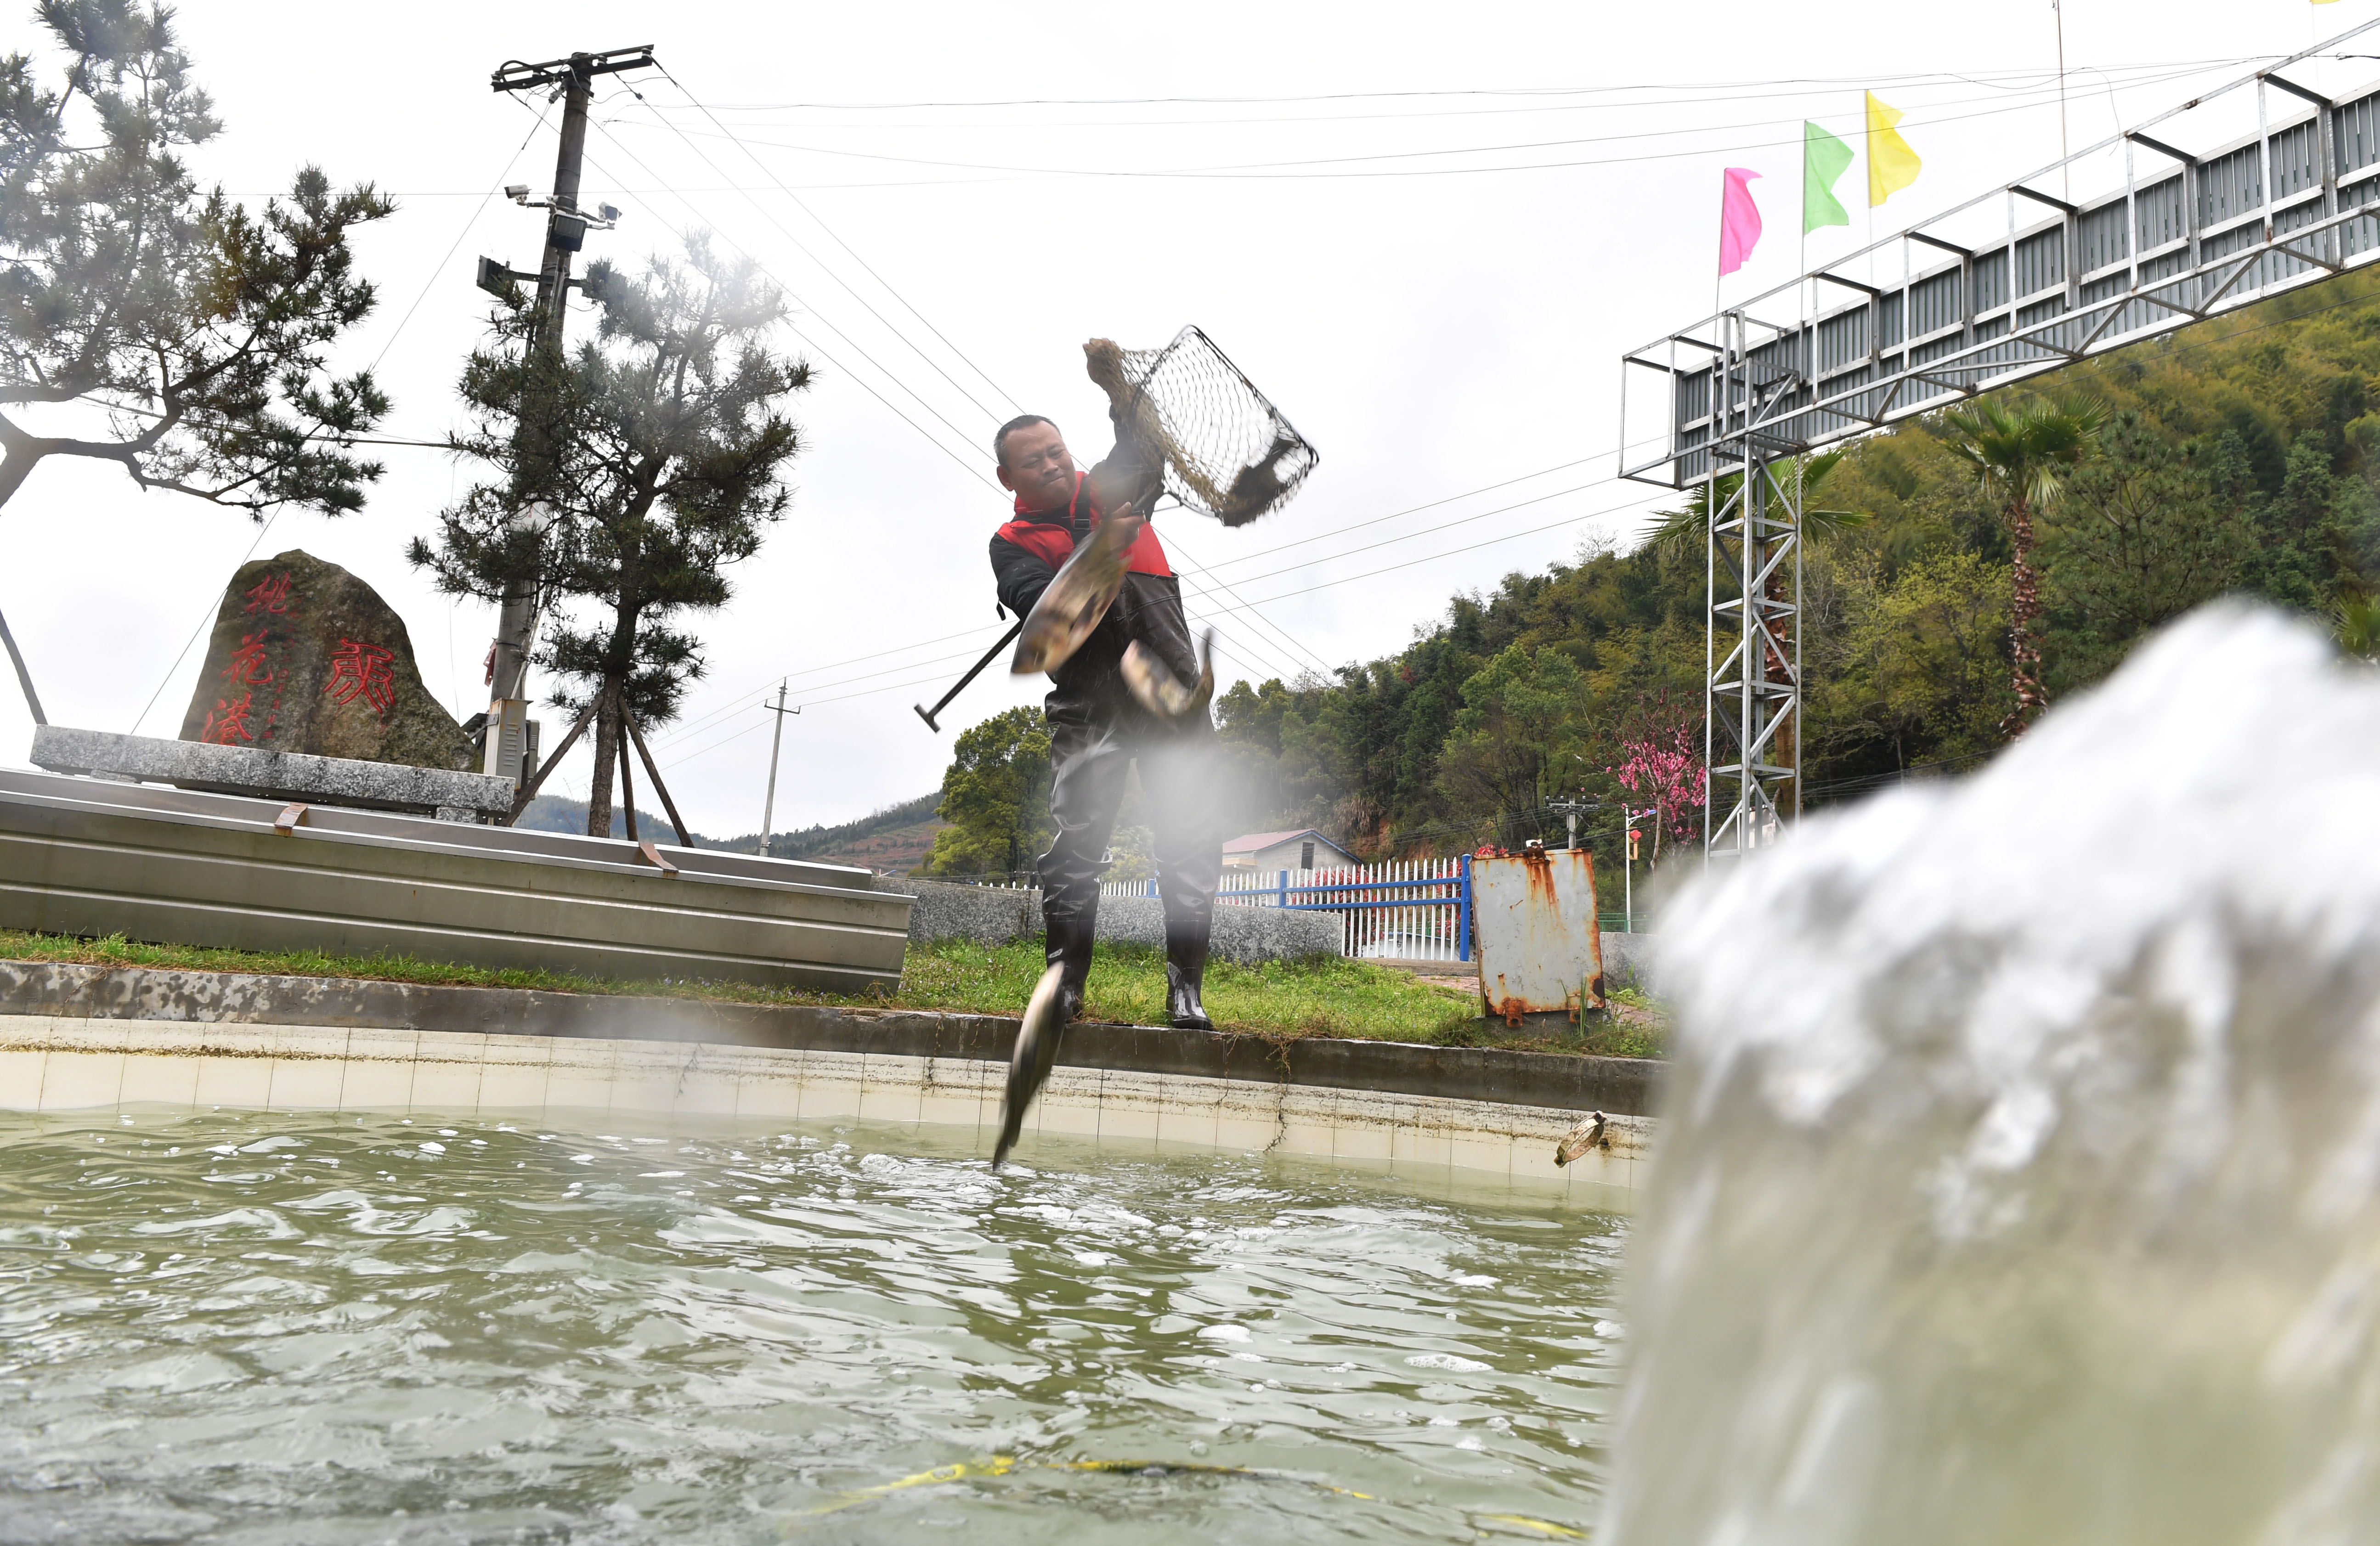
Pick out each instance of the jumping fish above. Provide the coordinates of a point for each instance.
(1086, 586)
(1257, 488)
(1589, 1134)
(1156, 688)
(1029, 1064)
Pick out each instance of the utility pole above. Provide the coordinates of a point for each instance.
(566, 232)
(776, 738)
(1570, 810)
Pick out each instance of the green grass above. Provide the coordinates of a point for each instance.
(1324, 996)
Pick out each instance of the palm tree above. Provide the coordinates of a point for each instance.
(2355, 623)
(1685, 531)
(2021, 456)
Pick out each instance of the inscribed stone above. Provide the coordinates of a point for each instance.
(306, 657)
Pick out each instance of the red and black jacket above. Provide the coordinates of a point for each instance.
(1025, 556)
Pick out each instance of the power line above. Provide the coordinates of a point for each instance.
(2122, 74)
(878, 315)
(1255, 617)
(266, 528)
(803, 248)
(1457, 91)
(863, 384)
(846, 247)
(1244, 606)
(918, 682)
(1579, 488)
(680, 731)
(1418, 509)
(1206, 572)
(438, 266)
(1215, 584)
(844, 334)
(1430, 531)
(1287, 170)
(1433, 558)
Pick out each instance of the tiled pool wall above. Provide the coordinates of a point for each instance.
(56, 1064)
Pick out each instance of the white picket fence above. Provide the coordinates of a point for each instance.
(1410, 910)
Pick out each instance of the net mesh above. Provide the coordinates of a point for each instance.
(1228, 450)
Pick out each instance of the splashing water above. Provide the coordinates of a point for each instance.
(225, 1326)
(2022, 1181)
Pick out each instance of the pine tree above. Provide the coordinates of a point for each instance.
(199, 330)
(663, 448)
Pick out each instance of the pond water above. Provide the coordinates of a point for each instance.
(225, 1326)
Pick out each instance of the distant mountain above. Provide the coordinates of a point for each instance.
(552, 812)
(895, 838)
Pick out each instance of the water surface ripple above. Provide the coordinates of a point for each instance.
(219, 1326)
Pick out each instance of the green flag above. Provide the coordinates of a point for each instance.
(1824, 158)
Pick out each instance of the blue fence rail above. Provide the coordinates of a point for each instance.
(1412, 909)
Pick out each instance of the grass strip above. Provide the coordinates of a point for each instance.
(1325, 996)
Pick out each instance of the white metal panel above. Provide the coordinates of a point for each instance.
(1535, 935)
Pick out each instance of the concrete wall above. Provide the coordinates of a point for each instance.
(1628, 961)
(88, 1039)
(993, 916)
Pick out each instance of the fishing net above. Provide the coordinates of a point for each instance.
(1228, 450)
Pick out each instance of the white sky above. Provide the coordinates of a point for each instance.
(1433, 334)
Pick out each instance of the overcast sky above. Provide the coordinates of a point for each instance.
(1428, 234)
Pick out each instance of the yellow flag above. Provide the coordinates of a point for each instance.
(1891, 164)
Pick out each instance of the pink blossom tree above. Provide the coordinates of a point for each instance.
(1660, 769)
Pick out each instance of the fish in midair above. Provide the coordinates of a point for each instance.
(1156, 688)
(1257, 488)
(1134, 413)
(1086, 586)
(1029, 1064)
(1589, 1134)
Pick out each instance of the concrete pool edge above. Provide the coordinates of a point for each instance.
(85, 1037)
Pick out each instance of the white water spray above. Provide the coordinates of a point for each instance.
(2022, 1180)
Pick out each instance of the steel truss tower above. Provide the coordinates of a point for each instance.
(2012, 282)
(1752, 695)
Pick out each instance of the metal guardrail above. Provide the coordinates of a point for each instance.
(89, 857)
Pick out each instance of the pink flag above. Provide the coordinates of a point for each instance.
(1739, 220)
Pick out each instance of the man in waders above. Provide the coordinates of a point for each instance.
(1098, 729)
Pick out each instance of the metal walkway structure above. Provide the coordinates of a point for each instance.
(1981, 301)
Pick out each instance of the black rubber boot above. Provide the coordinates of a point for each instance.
(1185, 976)
(1069, 946)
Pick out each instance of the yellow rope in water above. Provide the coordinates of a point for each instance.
(1545, 1527)
(1006, 1465)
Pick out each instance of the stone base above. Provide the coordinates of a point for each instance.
(372, 786)
(995, 915)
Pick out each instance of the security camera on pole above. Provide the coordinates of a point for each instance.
(510, 739)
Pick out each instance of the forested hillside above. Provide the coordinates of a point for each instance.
(2239, 455)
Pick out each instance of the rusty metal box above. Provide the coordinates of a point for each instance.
(1536, 935)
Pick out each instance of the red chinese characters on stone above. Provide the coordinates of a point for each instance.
(362, 671)
(227, 725)
(269, 595)
(249, 667)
